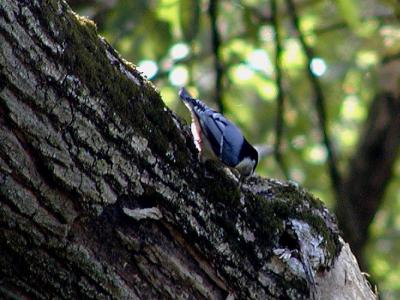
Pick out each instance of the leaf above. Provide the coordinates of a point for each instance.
(156, 37)
(252, 27)
(189, 18)
(351, 12)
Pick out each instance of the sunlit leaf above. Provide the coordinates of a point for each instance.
(189, 17)
(351, 12)
(168, 10)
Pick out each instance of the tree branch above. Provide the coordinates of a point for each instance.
(372, 164)
(319, 101)
(281, 97)
(216, 44)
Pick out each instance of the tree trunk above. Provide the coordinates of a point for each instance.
(371, 168)
(102, 195)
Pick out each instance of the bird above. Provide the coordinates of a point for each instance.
(215, 137)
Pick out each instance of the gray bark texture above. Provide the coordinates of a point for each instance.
(102, 195)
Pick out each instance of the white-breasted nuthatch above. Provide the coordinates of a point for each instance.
(217, 137)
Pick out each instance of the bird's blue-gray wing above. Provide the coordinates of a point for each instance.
(226, 139)
(233, 140)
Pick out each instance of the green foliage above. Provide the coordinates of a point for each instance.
(135, 29)
(349, 39)
(189, 18)
(351, 12)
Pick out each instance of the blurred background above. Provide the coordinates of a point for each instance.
(317, 81)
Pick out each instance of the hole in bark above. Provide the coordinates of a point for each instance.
(323, 269)
(288, 241)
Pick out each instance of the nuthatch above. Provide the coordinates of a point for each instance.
(217, 137)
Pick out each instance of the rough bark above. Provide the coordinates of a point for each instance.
(102, 195)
